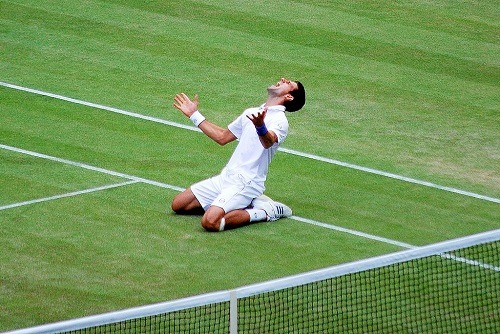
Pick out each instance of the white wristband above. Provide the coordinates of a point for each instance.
(197, 118)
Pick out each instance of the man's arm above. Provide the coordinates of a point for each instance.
(220, 135)
(190, 108)
(267, 137)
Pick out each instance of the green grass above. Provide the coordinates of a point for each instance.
(411, 89)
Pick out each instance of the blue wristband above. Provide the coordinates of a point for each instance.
(261, 130)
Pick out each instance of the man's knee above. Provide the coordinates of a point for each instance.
(186, 202)
(176, 205)
(211, 220)
(211, 225)
(179, 204)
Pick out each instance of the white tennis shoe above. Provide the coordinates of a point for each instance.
(274, 210)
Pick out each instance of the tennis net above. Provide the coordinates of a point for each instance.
(449, 287)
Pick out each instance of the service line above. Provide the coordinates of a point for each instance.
(71, 194)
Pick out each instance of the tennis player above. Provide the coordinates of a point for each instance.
(235, 197)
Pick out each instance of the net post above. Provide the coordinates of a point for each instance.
(233, 312)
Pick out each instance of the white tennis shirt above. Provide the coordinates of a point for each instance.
(250, 158)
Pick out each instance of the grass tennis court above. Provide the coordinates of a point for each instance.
(407, 89)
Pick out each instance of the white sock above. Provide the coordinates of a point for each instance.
(257, 215)
(222, 224)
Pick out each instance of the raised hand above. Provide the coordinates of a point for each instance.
(258, 119)
(184, 104)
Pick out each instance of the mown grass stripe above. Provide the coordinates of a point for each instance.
(399, 73)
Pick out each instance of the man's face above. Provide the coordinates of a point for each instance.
(283, 87)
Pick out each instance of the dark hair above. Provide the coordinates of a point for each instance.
(299, 99)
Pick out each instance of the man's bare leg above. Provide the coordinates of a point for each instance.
(187, 203)
(215, 219)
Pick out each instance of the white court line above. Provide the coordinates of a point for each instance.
(96, 169)
(135, 179)
(354, 232)
(289, 151)
(75, 193)
(393, 176)
(394, 242)
(99, 106)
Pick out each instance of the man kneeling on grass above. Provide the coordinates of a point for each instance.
(235, 197)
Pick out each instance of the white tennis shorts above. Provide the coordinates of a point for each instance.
(229, 191)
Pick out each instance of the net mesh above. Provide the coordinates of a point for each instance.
(212, 318)
(428, 295)
(433, 294)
